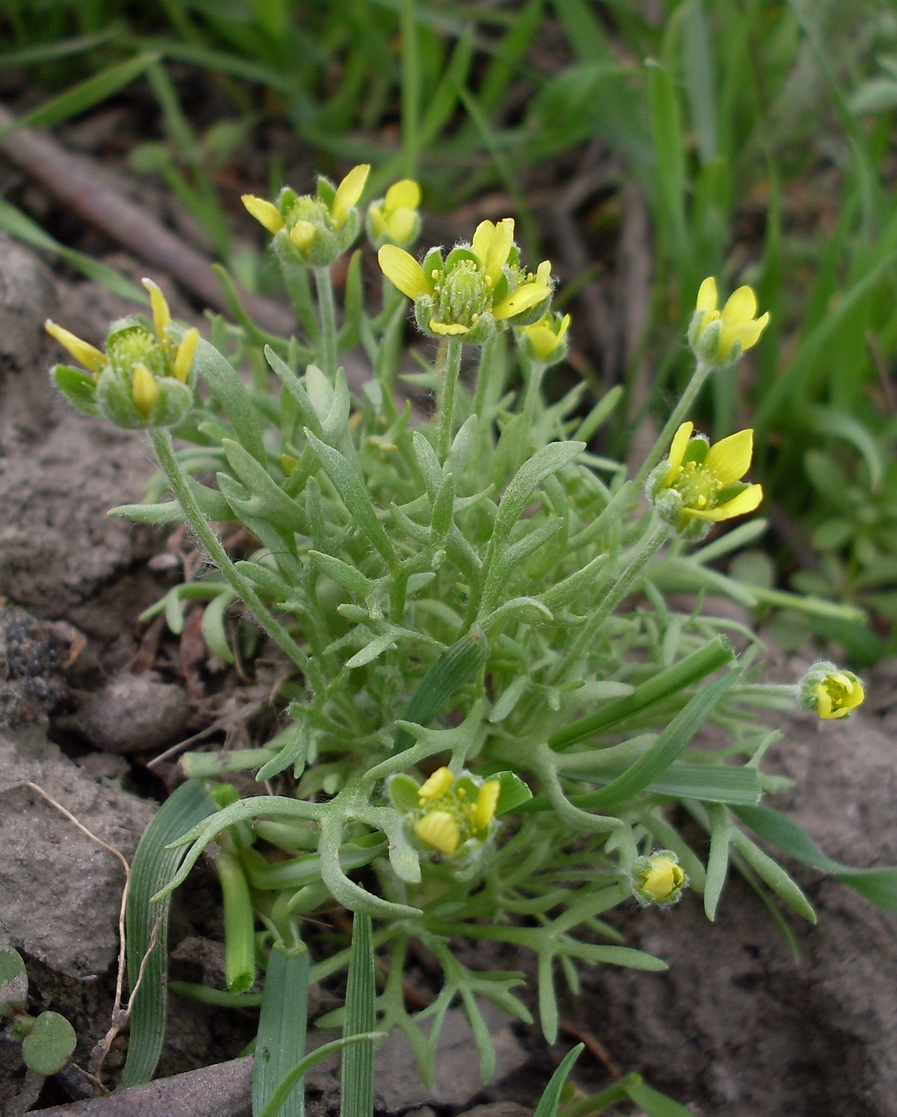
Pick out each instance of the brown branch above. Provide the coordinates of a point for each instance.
(76, 180)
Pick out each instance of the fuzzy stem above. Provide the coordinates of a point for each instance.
(451, 366)
(620, 589)
(482, 385)
(702, 371)
(324, 283)
(180, 487)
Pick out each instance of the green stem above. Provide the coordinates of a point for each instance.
(180, 487)
(620, 590)
(239, 922)
(660, 447)
(451, 366)
(324, 283)
(482, 386)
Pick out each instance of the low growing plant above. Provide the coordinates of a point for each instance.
(494, 715)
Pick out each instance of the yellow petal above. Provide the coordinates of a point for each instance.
(482, 238)
(302, 235)
(499, 249)
(402, 195)
(348, 192)
(266, 213)
(565, 325)
(749, 334)
(746, 501)
(436, 785)
(404, 272)
(543, 339)
(401, 224)
(161, 311)
(483, 810)
(543, 273)
(448, 329)
(678, 448)
(524, 298)
(184, 356)
(82, 351)
(730, 458)
(824, 703)
(144, 388)
(740, 307)
(440, 830)
(707, 296)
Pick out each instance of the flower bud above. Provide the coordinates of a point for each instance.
(829, 691)
(143, 379)
(658, 879)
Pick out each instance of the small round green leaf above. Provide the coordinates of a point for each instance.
(51, 1042)
(13, 981)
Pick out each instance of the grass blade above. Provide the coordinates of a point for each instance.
(280, 1045)
(153, 866)
(358, 1060)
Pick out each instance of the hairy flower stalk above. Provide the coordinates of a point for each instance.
(718, 339)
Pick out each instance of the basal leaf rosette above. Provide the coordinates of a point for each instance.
(477, 288)
(699, 485)
(313, 230)
(719, 337)
(143, 379)
(447, 814)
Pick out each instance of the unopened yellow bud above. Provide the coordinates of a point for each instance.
(144, 389)
(658, 879)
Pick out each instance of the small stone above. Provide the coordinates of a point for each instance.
(134, 713)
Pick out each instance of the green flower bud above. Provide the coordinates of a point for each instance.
(658, 879)
(143, 379)
(829, 691)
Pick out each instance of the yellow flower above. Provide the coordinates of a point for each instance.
(450, 811)
(658, 879)
(313, 231)
(831, 692)
(546, 339)
(476, 286)
(701, 484)
(395, 218)
(721, 336)
(142, 380)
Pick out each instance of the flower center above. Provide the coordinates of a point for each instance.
(460, 295)
(698, 486)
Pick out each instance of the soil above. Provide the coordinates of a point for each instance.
(737, 1026)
